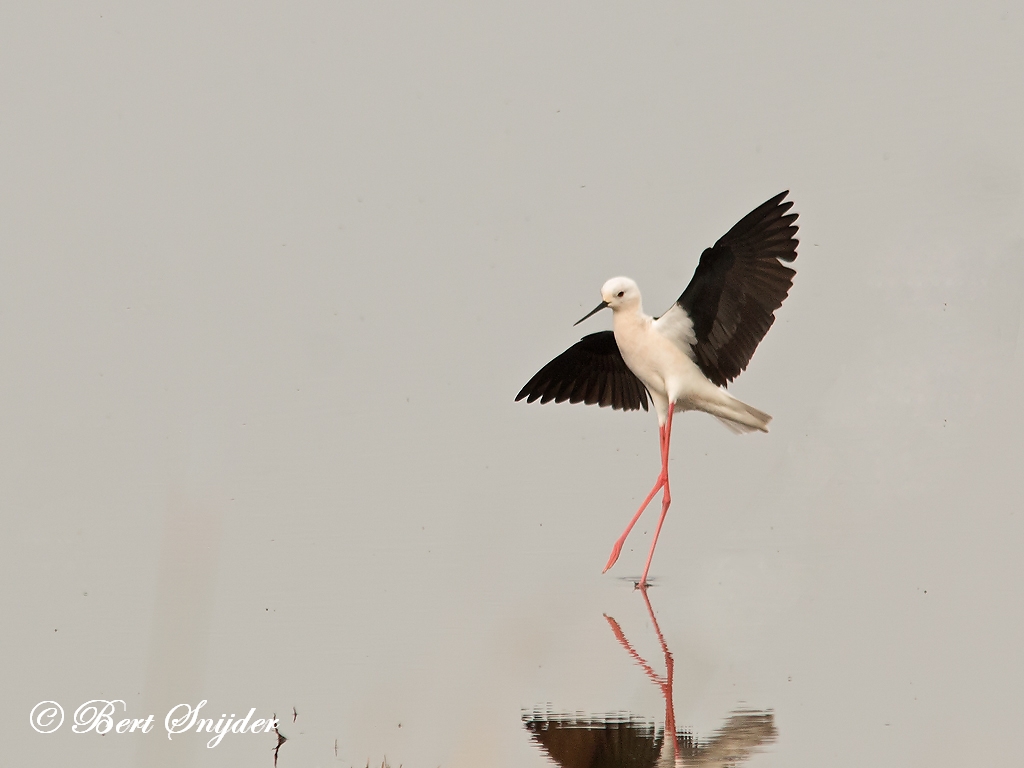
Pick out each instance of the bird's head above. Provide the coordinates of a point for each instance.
(618, 293)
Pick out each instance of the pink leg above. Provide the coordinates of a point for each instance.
(666, 499)
(662, 481)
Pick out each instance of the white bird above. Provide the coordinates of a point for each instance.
(685, 358)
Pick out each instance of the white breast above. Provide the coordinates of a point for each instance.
(655, 358)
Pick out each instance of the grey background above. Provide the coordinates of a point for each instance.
(272, 275)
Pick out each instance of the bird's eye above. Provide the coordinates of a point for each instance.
(621, 294)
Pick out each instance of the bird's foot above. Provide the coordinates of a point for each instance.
(661, 483)
(614, 556)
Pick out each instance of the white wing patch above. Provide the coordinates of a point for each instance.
(676, 326)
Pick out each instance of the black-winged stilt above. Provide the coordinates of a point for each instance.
(686, 357)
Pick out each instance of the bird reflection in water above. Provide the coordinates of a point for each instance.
(625, 741)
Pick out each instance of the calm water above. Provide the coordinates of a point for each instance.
(272, 278)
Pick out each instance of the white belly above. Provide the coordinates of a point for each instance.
(662, 367)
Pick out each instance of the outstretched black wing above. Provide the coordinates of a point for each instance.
(738, 285)
(591, 371)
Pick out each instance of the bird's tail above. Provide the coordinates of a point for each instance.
(740, 417)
